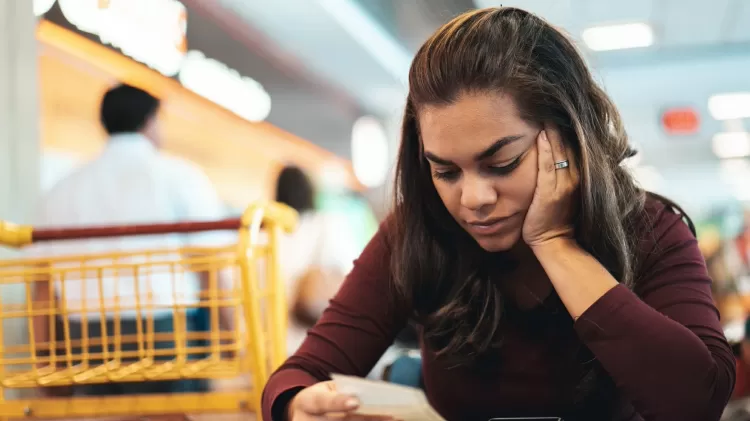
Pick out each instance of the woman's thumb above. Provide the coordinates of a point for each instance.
(325, 401)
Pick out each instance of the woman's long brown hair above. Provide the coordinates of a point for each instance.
(435, 265)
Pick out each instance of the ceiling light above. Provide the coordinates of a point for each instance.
(151, 32)
(731, 144)
(369, 152)
(730, 106)
(225, 86)
(618, 37)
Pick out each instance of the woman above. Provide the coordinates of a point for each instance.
(544, 281)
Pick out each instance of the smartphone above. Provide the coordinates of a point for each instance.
(528, 419)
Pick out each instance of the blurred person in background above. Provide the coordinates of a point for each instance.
(544, 280)
(309, 257)
(730, 271)
(736, 307)
(742, 351)
(738, 409)
(739, 259)
(130, 182)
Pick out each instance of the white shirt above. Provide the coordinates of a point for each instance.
(315, 242)
(323, 241)
(129, 183)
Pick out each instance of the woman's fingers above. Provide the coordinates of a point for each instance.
(346, 417)
(322, 402)
(567, 178)
(546, 179)
(326, 402)
(559, 152)
(357, 417)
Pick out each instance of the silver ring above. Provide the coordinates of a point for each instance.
(559, 165)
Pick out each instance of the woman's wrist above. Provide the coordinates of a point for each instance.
(554, 247)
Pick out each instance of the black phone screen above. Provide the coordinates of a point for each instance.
(528, 419)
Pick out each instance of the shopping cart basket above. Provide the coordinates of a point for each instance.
(61, 352)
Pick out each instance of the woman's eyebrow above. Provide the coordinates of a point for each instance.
(499, 144)
(487, 153)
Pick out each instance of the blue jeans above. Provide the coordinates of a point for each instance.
(196, 322)
(406, 370)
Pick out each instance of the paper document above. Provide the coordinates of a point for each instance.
(382, 398)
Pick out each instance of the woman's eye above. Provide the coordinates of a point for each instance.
(448, 175)
(454, 174)
(505, 169)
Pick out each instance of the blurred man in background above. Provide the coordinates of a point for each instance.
(130, 182)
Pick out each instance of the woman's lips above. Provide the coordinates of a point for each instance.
(488, 226)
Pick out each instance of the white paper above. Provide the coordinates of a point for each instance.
(382, 398)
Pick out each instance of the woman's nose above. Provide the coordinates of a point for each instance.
(477, 193)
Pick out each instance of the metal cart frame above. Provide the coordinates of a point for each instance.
(256, 345)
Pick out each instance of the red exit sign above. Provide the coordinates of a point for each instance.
(680, 121)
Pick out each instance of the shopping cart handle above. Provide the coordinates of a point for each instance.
(271, 213)
(13, 235)
(279, 214)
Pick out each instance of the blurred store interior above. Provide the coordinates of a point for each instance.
(250, 86)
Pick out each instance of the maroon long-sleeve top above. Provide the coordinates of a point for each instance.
(656, 353)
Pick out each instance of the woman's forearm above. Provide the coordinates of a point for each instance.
(667, 370)
(579, 279)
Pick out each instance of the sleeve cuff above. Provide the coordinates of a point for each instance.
(599, 318)
(280, 389)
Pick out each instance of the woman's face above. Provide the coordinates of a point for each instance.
(483, 159)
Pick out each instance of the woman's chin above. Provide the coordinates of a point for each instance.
(499, 243)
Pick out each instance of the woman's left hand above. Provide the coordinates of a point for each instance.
(553, 207)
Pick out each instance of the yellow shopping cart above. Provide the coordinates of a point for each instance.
(245, 334)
